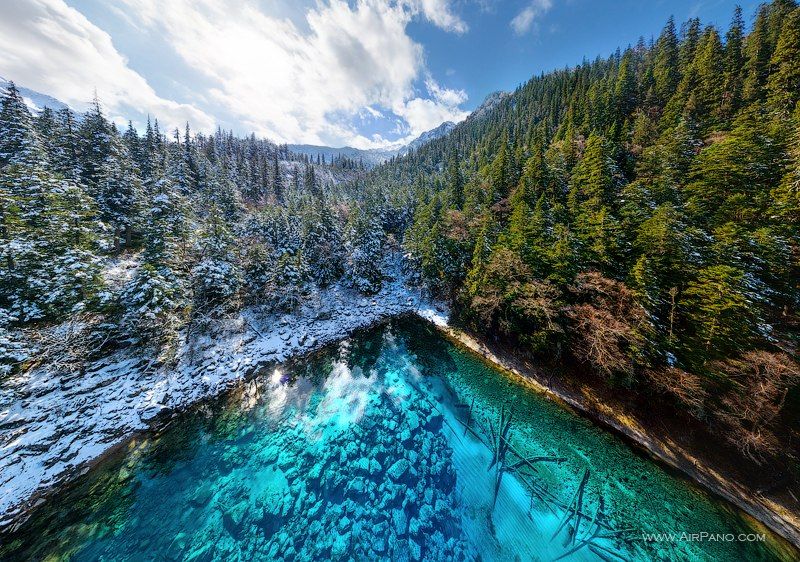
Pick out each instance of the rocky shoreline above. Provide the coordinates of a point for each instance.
(53, 426)
(765, 511)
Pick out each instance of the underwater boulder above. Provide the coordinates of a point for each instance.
(399, 469)
(314, 529)
(315, 510)
(233, 518)
(357, 489)
(399, 522)
(412, 419)
(344, 524)
(414, 549)
(315, 473)
(426, 517)
(378, 544)
(362, 465)
(341, 544)
(434, 422)
(202, 495)
(414, 527)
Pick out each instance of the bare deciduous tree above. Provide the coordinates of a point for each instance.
(750, 410)
(608, 325)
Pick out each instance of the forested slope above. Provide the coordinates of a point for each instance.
(636, 216)
(129, 238)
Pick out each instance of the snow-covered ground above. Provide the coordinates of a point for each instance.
(52, 424)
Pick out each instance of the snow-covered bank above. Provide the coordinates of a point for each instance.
(51, 425)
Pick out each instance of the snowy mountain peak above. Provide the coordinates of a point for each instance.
(489, 103)
(374, 156)
(35, 100)
(428, 136)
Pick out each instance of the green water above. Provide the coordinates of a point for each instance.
(361, 453)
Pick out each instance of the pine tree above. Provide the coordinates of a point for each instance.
(708, 95)
(277, 179)
(45, 126)
(322, 243)
(731, 178)
(19, 143)
(216, 277)
(455, 181)
(109, 174)
(133, 144)
(65, 158)
(690, 39)
(786, 196)
(718, 308)
(153, 309)
(592, 196)
(734, 65)
(783, 84)
(625, 88)
(165, 230)
(500, 173)
(49, 269)
(665, 69)
(758, 53)
(286, 288)
(364, 242)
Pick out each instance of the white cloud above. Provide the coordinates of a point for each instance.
(445, 96)
(306, 85)
(526, 19)
(439, 13)
(52, 48)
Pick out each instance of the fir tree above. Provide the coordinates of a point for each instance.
(665, 69)
(783, 84)
(19, 142)
(734, 65)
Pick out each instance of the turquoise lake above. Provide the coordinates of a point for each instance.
(393, 445)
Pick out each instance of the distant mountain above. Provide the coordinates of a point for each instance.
(35, 100)
(370, 158)
(374, 156)
(489, 103)
(428, 136)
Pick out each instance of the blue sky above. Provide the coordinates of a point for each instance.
(365, 73)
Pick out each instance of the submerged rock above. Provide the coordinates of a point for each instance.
(341, 544)
(398, 469)
(202, 495)
(414, 549)
(362, 465)
(378, 544)
(434, 422)
(399, 522)
(234, 517)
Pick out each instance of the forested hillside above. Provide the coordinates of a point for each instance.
(636, 216)
(131, 237)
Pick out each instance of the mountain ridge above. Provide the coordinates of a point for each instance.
(36, 101)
